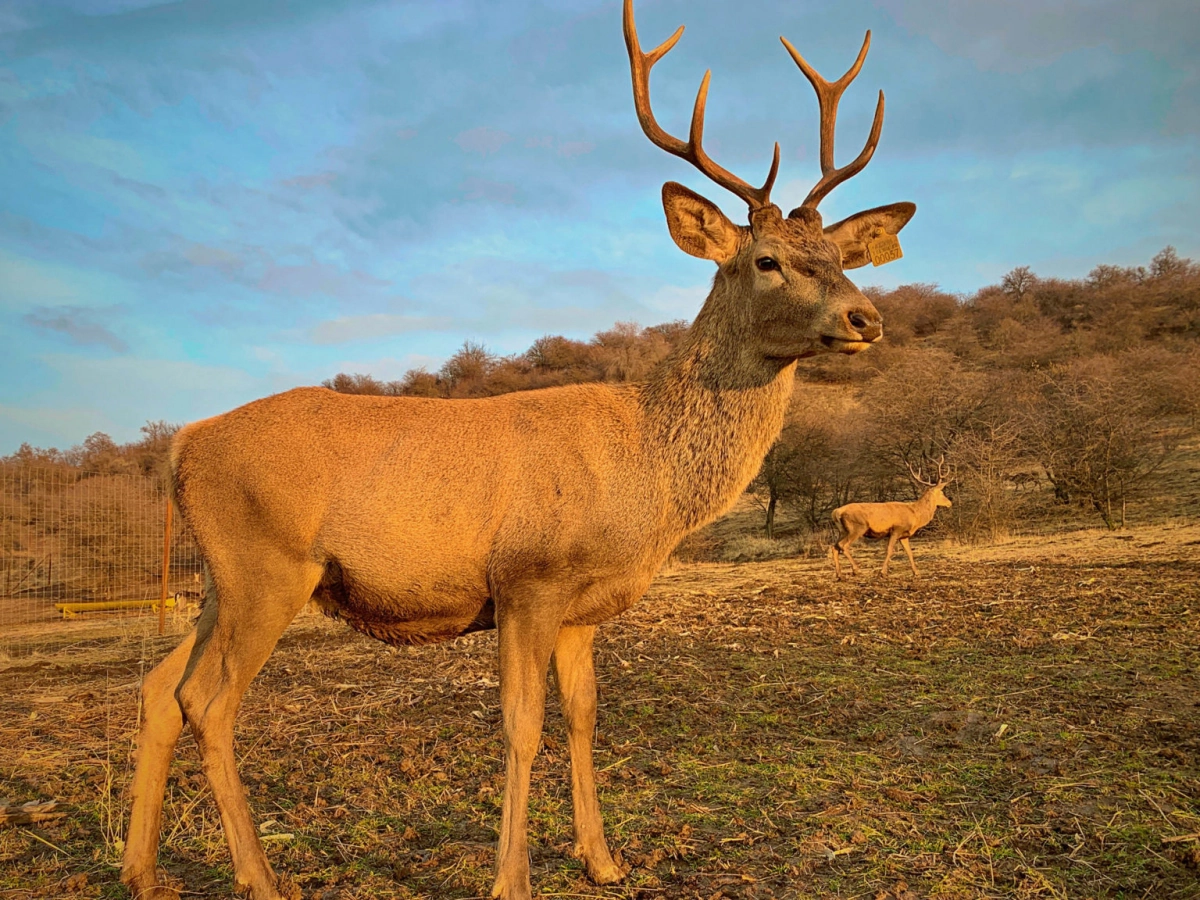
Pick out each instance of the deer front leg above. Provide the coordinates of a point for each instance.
(526, 635)
(908, 550)
(575, 669)
(888, 556)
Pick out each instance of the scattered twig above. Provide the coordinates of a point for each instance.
(31, 812)
(1182, 837)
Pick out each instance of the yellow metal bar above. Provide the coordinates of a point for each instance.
(70, 610)
(162, 609)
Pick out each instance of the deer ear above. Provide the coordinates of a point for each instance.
(697, 225)
(851, 235)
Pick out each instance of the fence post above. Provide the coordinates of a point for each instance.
(162, 603)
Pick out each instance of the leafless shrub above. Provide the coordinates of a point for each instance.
(814, 462)
(1098, 433)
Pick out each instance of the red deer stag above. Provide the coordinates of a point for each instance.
(895, 521)
(564, 502)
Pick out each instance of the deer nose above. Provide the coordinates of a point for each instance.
(869, 324)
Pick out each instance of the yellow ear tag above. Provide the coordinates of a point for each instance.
(884, 248)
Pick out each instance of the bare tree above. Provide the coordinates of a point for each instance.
(1097, 435)
(362, 384)
(924, 406)
(812, 465)
(467, 368)
(985, 460)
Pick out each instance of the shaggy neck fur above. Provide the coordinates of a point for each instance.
(713, 409)
(924, 508)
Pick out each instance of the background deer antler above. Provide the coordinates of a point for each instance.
(917, 475)
(828, 95)
(946, 477)
(692, 150)
(942, 474)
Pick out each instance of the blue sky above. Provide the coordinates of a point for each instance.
(206, 202)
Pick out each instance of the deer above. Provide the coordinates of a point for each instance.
(896, 521)
(539, 514)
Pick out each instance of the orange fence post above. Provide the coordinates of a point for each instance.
(162, 604)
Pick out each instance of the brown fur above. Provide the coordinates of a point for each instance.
(894, 521)
(541, 514)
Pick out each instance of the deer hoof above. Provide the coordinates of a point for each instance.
(605, 870)
(609, 874)
(504, 890)
(274, 888)
(148, 888)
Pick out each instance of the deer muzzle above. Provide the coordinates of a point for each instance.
(857, 329)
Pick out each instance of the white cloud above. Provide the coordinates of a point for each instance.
(78, 325)
(307, 279)
(374, 326)
(385, 368)
(673, 301)
(45, 426)
(482, 140)
(124, 392)
(62, 146)
(1019, 35)
(26, 282)
(575, 148)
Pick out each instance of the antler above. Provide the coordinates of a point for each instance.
(916, 475)
(828, 95)
(941, 476)
(691, 150)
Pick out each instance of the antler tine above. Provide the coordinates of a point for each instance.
(692, 150)
(942, 476)
(916, 475)
(828, 95)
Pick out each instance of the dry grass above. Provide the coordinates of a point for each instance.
(1022, 722)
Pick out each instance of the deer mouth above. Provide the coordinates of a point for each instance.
(843, 345)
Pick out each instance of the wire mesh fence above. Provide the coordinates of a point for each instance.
(76, 542)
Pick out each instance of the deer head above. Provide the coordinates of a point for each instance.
(935, 490)
(784, 275)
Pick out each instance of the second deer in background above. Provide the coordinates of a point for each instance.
(895, 521)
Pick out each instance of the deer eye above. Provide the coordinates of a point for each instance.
(766, 264)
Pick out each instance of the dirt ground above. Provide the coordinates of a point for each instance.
(1022, 721)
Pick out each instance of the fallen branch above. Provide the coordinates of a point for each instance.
(30, 812)
(1182, 837)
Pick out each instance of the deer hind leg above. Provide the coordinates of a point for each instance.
(908, 550)
(162, 721)
(833, 550)
(251, 612)
(576, 674)
(527, 630)
(844, 546)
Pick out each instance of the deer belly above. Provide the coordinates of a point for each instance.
(404, 611)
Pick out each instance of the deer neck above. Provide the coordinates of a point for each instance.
(713, 410)
(924, 509)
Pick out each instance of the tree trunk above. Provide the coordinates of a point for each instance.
(771, 514)
(1105, 511)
